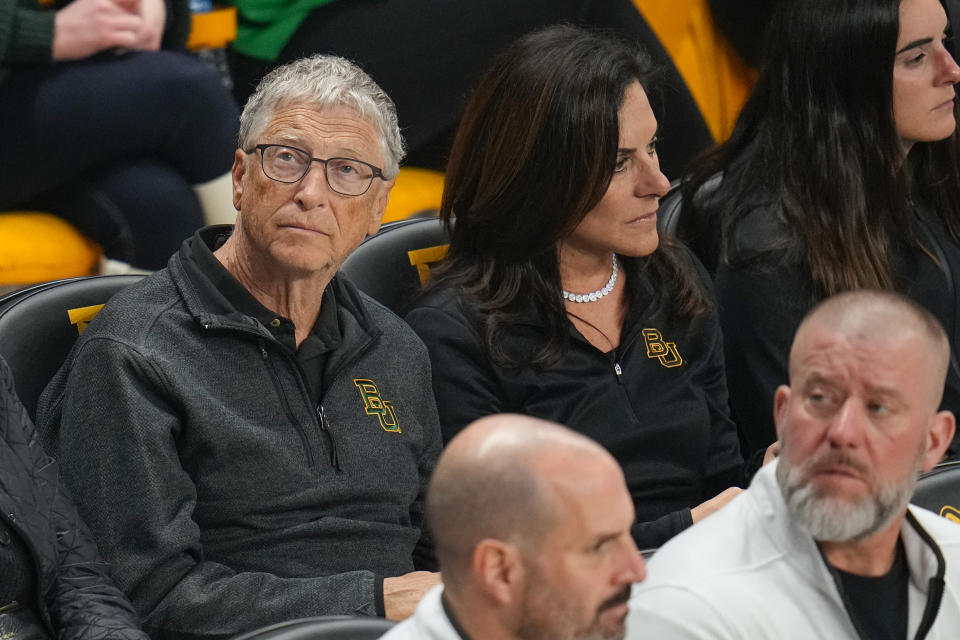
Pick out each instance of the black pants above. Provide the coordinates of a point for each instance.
(428, 54)
(114, 144)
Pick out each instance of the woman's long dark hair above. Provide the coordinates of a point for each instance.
(817, 138)
(534, 153)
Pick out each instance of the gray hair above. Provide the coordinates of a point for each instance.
(324, 81)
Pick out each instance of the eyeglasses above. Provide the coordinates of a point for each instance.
(346, 176)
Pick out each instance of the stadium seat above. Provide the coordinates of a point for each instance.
(323, 628)
(669, 213)
(36, 247)
(416, 192)
(938, 490)
(39, 325)
(394, 264)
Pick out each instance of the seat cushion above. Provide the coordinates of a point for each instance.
(416, 190)
(36, 247)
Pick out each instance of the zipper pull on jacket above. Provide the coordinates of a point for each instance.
(334, 454)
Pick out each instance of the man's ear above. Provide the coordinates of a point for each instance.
(380, 206)
(237, 171)
(939, 437)
(498, 569)
(781, 401)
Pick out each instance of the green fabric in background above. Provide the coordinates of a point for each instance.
(265, 26)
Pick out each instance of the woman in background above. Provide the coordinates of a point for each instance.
(556, 299)
(840, 174)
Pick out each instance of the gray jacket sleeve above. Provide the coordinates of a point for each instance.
(424, 556)
(115, 428)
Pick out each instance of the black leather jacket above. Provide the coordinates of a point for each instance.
(76, 599)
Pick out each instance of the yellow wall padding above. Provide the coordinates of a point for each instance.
(416, 190)
(36, 247)
(718, 79)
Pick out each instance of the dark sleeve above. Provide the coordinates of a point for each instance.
(463, 381)
(653, 534)
(83, 602)
(761, 304)
(724, 463)
(26, 35)
(116, 440)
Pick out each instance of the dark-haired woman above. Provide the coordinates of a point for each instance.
(53, 584)
(555, 299)
(841, 174)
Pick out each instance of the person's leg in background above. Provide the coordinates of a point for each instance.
(71, 127)
(136, 210)
(428, 55)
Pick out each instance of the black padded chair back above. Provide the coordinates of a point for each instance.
(938, 490)
(323, 628)
(671, 205)
(39, 325)
(668, 215)
(394, 264)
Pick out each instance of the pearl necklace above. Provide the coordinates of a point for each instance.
(593, 296)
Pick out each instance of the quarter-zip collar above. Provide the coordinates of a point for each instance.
(213, 302)
(212, 309)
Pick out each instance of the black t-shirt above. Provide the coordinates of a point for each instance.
(878, 605)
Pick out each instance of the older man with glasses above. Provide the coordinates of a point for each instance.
(250, 437)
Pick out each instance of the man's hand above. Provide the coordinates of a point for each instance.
(715, 503)
(154, 14)
(401, 594)
(86, 27)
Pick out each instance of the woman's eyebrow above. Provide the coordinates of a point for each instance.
(921, 41)
(916, 43)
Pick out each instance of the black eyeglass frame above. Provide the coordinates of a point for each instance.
(377, 171)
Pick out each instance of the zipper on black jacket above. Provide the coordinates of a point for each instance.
(621, 348)
(286, 404)
(358, 351)
(322, 413)
(334, 454)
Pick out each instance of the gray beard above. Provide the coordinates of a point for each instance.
(831, 519)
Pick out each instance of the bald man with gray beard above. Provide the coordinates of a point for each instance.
(824, 544)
